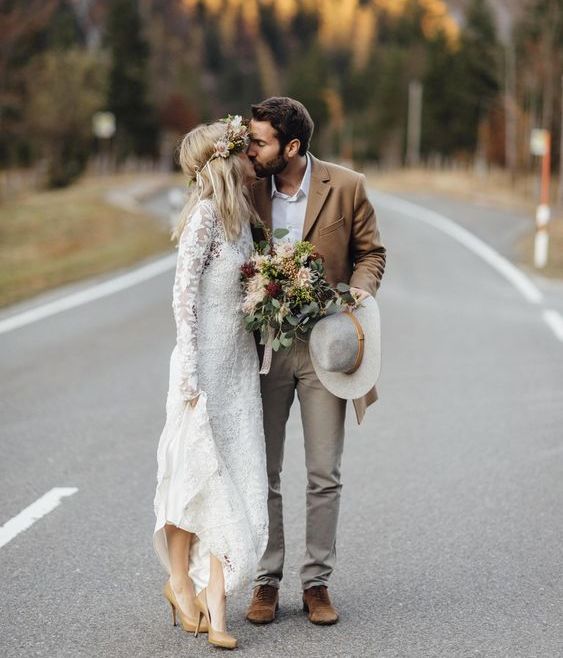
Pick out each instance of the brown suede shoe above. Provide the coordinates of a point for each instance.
(264, 604)
(317, 603)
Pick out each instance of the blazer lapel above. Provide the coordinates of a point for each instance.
(318, 192)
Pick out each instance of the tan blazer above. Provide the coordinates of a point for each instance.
(341, 223)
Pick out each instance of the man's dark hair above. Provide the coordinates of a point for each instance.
(289, 118)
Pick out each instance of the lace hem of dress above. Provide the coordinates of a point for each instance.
(207, 488)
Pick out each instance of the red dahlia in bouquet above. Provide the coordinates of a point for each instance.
(285, 291)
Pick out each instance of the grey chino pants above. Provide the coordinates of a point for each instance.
(322, 416)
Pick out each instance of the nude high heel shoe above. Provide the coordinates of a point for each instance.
(187, 624)
(217, 638)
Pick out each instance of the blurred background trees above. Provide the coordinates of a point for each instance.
(162, 66)
(128, 86)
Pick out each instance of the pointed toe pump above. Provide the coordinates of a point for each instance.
(189, 625)
(217, 638)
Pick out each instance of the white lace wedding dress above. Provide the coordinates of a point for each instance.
(211, 458)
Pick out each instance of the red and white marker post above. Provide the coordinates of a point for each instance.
(540, 144)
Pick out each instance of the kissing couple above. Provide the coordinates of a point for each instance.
(218, 501)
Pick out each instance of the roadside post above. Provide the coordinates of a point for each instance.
(103, 127)
(540, 145)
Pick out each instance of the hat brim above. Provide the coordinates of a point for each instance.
(356, 385)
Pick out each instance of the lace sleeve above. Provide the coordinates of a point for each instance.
(193, 248)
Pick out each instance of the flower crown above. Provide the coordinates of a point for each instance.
(236, 138)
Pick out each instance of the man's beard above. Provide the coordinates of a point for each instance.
(271, 168)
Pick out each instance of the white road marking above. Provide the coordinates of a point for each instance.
(554, 320)
(511, 273)
(89, 294)
(27, 517)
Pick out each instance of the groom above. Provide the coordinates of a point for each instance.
(327, 205)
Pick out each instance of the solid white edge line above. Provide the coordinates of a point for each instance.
(89, 294)
(554, 320)
(511, 273)
(32, 513)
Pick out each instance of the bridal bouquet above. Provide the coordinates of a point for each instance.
(285, 292)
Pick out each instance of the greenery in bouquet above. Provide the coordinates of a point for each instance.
(285, 291)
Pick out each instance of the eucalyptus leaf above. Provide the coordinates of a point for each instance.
(280, 233)
(286, 340)
(332, 309)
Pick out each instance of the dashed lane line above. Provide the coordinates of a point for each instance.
(32, 513)
(554, 320)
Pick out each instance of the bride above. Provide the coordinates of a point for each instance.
(211, 496)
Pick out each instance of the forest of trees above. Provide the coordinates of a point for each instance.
(162, 66)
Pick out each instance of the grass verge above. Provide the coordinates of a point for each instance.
(55, 237)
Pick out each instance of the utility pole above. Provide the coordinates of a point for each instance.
(414, 123)
(509, 110)
(560, 186)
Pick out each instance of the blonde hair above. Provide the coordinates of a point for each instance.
(221, 179)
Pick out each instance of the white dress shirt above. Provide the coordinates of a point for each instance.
(289, 211)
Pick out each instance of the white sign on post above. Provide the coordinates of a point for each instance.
(103, 124)
(538, 141)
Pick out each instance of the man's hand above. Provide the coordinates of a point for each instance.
(359, 294)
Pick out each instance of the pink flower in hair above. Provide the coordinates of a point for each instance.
(222, 149)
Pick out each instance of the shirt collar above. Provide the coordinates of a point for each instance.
(303, 188)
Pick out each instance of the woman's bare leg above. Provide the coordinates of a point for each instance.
(216, 599)
(179, 542)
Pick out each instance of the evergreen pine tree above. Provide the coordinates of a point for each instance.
(128, 96)
(460, 86)
(443, 117)
(41, 25)
(479, 58)
(307, 82)
(63, 31)
(539, 44)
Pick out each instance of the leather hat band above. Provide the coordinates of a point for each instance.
(361, 339)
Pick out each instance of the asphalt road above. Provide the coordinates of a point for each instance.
(451, 529)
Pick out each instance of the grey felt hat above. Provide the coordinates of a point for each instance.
(345, 349)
